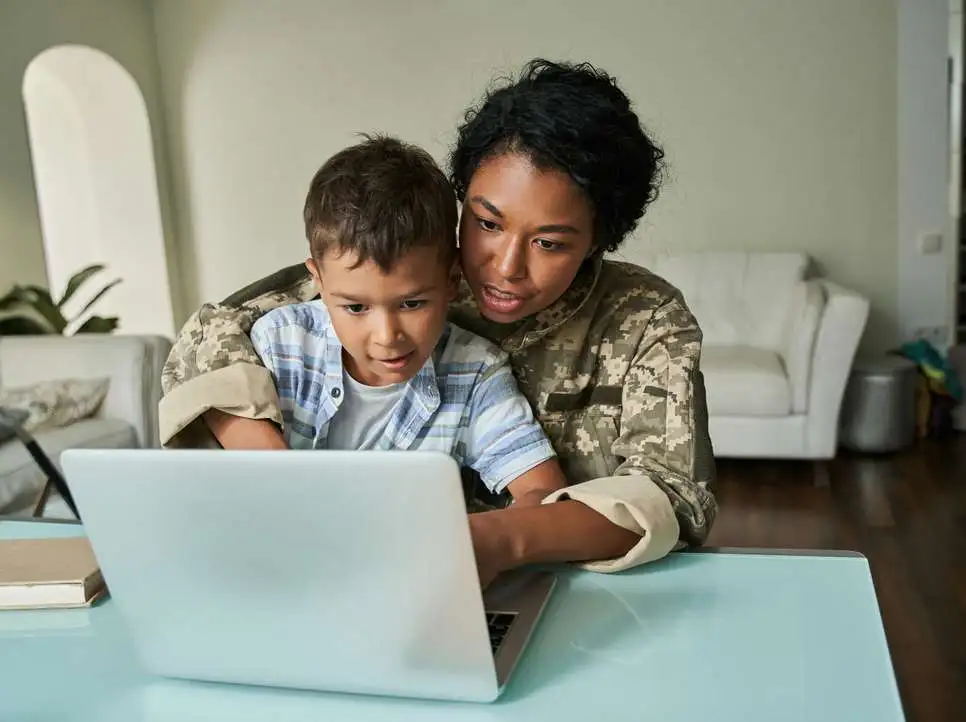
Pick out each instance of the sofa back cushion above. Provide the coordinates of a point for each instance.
(739, 297)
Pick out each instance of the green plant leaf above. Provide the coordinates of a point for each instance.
(38, 299)
(77, 280)
(9, 301)
(97, 297)
(98, 324)
(22, 326)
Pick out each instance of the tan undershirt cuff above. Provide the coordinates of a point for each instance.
(634, 502)
(244, 390)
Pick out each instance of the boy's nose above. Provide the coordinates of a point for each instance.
(388, 331)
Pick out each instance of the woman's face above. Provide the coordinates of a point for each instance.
(523, 234)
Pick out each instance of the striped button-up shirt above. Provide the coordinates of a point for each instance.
(464, 401)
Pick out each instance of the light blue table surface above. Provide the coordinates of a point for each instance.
(701, 636)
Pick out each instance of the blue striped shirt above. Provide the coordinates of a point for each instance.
(464, 401)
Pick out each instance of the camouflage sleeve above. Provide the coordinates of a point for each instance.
(662, 488)
(213, 363)
(664, 420)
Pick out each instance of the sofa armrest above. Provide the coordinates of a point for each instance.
(798, 340)
(839, 332)
(133, 364)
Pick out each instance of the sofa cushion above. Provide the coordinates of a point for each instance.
(57, 402)
(745, 381)
(10, 421)
(21, 479)
(738, 297)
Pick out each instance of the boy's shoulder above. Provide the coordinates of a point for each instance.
(310, 316)
(464, 351)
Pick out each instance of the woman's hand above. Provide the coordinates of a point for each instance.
(490, 545)
(564, 531)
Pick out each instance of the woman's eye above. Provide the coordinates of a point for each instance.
(487, 225)
(547, 245)
(354, 308)
(413, 304)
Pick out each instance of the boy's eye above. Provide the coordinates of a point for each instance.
(355, 308)
(413, 304)
(487, 225)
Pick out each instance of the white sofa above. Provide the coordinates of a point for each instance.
(778, 349)
(128, 416)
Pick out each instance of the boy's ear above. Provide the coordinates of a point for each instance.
(313, 268)
(453, 283)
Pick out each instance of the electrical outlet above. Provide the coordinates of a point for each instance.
(936, 335)
(930, 243)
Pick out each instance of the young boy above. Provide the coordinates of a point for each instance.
(374, 363)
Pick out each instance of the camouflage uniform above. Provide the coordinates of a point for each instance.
(611, 370)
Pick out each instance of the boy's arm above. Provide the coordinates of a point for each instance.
(504, 443)
(533, 486)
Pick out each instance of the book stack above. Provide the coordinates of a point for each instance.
(49, 574)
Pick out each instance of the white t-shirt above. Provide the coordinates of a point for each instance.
(364, 414)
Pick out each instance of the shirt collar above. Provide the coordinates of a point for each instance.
(423, 385)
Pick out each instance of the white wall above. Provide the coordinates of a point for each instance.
(956, 260)
(779, 116)
(924, 281)
(121, 28)
(97, 193)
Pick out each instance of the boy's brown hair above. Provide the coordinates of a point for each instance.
(380, 198)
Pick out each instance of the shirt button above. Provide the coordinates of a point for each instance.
(336, 393)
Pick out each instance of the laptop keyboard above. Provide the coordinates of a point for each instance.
(499, 624)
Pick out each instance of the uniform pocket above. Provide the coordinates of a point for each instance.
(583, 441)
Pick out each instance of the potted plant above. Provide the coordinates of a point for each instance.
(47, 316)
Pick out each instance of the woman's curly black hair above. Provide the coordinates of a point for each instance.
(573, 118)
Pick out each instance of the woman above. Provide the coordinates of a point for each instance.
(552, 170)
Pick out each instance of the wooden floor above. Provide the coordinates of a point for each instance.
(907, 514)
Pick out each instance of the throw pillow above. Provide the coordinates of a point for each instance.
(10, 421)
(51, 404)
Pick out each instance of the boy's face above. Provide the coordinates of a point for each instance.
(388, 324)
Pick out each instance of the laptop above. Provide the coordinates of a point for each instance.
(343, 571)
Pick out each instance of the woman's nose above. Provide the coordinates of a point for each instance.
(512, 260)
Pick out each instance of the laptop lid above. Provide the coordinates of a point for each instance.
(345, 571)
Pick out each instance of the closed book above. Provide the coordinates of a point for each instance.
(48, 573)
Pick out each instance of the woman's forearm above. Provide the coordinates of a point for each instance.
(235, 432)
(564, 531)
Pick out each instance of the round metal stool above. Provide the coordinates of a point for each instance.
(879, 406)
(957, 359)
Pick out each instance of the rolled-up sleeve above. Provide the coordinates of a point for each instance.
(214, 365)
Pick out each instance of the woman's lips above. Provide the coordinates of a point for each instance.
(501, 301)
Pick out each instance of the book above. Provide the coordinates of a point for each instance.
(48, 573)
